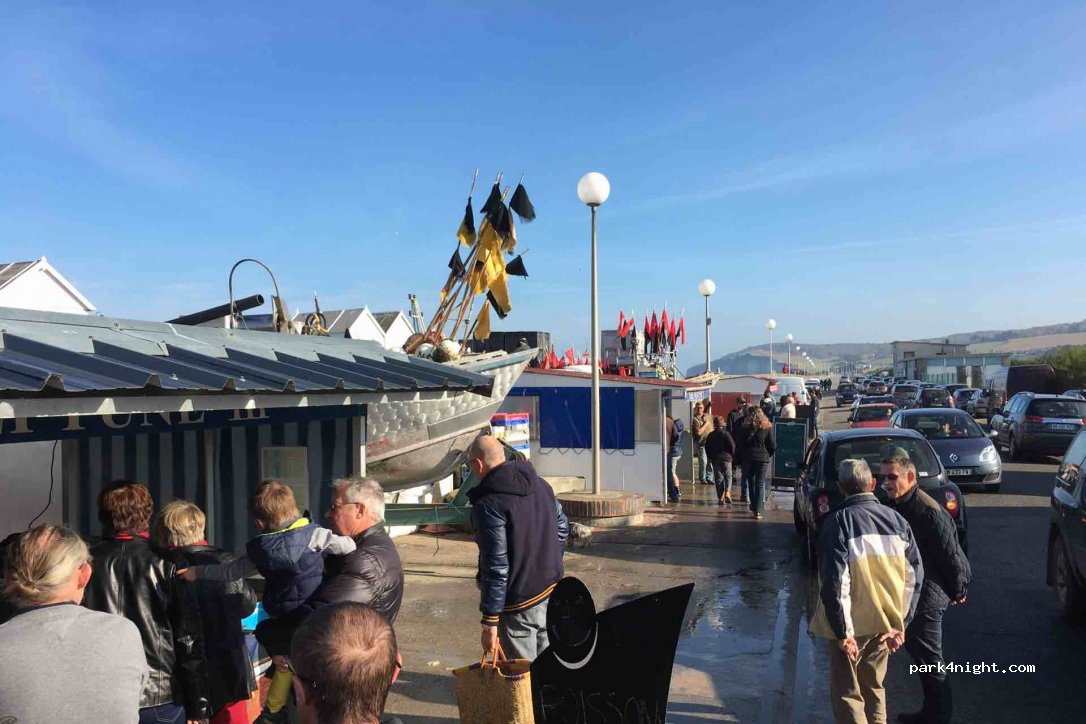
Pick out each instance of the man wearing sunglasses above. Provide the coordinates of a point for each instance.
(344, 661)
(946, 577)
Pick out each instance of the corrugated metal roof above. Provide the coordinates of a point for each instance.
(51, 354)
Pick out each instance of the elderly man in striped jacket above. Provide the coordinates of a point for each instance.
(870, 575)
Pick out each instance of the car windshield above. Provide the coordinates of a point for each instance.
(867, 414)
(906, 391)
(942, 427)
(874, 449)
(933, 394)
(846, 387)
(964, 393)
(1058, 408)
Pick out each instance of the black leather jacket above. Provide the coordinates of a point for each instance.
(135, 579)
(947, 572)
(372, 574)
(222, 606)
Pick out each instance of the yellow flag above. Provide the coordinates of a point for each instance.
(489, 264)
(482, 323)
(510, 244)
(466, 232)
(499, 290)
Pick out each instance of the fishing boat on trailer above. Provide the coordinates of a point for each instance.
(408, 443)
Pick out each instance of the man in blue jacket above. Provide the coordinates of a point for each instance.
(520, 530)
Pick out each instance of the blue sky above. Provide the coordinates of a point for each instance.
(859, 173)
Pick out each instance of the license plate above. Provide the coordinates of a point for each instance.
(958, 472)
(1065, 428)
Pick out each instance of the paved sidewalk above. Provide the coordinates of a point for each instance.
(736, 658)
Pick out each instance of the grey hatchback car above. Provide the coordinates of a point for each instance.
(1041, 424)
(967, 453)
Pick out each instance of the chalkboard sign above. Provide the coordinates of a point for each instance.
(613, 667)
(791, 439)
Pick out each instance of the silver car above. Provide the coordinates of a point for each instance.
(968, 454)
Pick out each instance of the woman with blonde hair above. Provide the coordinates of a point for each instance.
(62, 662)
(756, 445)
(180, 528)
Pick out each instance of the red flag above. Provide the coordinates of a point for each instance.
(621, 323)
(648, 329)
(654, 328)
(682, 329)
(552, 360)
(570, 356)
(663, 321)
(673, 334)
(587, 358)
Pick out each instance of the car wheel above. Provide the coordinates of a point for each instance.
(1069, 594)
(992, 488)
(1014, 450)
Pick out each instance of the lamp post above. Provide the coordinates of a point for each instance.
(706, 289)
(798, 348)
(593, 189)
(789, 338)
(770, 325)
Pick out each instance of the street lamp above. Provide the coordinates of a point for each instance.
(706, 289)
(789, 338)
(593, 189)
(770, 325)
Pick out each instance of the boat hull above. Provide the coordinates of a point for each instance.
(411, 443)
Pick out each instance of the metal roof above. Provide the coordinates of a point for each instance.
(8, 271)
(52, 354)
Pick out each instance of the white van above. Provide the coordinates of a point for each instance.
(787, 384)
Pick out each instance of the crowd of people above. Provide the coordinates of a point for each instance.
(145, 625)
(734, 451)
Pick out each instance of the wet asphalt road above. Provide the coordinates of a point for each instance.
(1009, 618)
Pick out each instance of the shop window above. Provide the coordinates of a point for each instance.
(647, 414)
(290, 465)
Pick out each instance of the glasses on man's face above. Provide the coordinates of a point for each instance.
(891, 477)
(336, 506)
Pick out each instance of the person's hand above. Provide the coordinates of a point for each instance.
(958, 602)
(849, 646)
(189, 574)
(280, 662)
(196, 721)
(489, 638)
(893, 640)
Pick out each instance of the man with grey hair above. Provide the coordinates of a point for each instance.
(373, 573)
(870, 577)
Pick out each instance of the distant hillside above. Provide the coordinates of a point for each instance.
(1009, 334)
(754, 360)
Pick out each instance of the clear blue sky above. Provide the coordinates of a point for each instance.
(860, 173)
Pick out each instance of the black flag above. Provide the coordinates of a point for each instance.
(497, 307)
(522, 205)
(492, 201)
(516, 268)
(456, 264)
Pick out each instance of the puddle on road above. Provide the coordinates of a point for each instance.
(736, 620)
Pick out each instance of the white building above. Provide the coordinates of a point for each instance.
(31, 471)
(38, 285)
(397, 328)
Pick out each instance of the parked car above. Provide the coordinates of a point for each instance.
(983, 402)
(877, 415)
(954, 388)
(846, 393)
(816, 487)
(961, 397)
(905, 395)
(1066, 570)
(1038, 424)
(967, 452)
(876, 387)
(935, 397)
(1080, 394)
(871, 400)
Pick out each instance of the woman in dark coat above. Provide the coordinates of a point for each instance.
(756, 446)
(720, 449)
(223, 604)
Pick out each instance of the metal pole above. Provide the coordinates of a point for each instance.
(707, 323)
(596, 487)
(771, 351)
(789, 356)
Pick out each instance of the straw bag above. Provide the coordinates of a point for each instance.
(495, 692)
